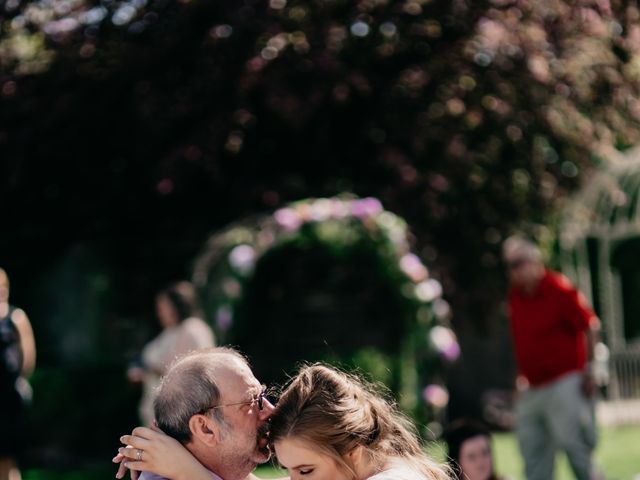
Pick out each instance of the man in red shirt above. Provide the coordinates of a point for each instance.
(553, 331)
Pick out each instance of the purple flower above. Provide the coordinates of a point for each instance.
(288, 219)
(165, 186)
(411, 265)
(242, 258)
(445, 342)
(224, 318)
(435, 395)
(321, 210)
(366, 207)
(428, 290)
(441, 309)
(339, 209)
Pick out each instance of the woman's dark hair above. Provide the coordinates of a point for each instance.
(182, 296)
(456, 434)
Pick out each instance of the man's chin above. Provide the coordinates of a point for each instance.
(262, 453)
(262, 456)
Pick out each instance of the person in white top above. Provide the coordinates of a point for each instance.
(183, 330)
(330, 425)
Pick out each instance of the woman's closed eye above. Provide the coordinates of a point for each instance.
(305, 471)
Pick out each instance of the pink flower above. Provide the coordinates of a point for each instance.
(224, 318)
(428, 290)
(165, 186)
(242, 258)
(411, 265)
(445, 342)
(288, 219)
(367, 207)
(435, 395)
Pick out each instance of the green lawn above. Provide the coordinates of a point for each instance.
(618, 456)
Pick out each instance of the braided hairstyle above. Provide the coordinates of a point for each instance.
(337, 412)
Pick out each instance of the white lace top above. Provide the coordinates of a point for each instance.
(398, 470)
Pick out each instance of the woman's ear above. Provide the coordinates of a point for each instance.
(204, 429)
(356, 455)
(362, 462)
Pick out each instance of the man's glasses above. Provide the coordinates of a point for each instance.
(516, 263)
(259, 399)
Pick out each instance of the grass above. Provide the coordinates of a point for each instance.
(618, 456)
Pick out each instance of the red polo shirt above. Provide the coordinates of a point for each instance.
(548, 329)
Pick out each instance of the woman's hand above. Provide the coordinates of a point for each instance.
(122, 468)
(151, 451)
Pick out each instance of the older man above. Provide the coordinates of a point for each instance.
(211, 403)
(553, 331)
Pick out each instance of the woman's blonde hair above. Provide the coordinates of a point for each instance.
(337, 412)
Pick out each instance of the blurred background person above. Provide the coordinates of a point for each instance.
(469, 451)
(17, 362)
(183, 330)
(554, 333)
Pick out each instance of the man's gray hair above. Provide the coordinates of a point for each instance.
(518, 246)
(190, 387)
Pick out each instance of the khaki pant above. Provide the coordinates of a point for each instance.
(555, 417)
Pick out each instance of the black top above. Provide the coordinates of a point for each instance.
(10, 352)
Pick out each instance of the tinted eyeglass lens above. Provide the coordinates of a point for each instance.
(261, 398)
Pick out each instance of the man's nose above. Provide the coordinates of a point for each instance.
(267, 410)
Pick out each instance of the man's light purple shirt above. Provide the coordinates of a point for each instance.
(153, 476)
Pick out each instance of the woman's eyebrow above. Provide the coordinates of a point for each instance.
(302, 466)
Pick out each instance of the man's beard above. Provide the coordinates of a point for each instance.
(262, 441)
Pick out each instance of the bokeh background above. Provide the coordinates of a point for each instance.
(144, 141)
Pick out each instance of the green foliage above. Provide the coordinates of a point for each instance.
(93, 401)
(139, 127)
(469, 119)
(375, 363)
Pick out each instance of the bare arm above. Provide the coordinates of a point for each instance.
(161, 455)
(27, 342)
(592, 335)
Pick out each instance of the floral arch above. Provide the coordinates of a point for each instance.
(229, 259)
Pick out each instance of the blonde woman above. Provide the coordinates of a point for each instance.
(331, 425)
(183, 330)
(328, 425)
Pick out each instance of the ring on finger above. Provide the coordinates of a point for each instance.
(139, 455)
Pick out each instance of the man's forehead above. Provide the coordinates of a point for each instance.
(237, 377)
(516, 253)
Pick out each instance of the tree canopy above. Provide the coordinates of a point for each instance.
(159, 121)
